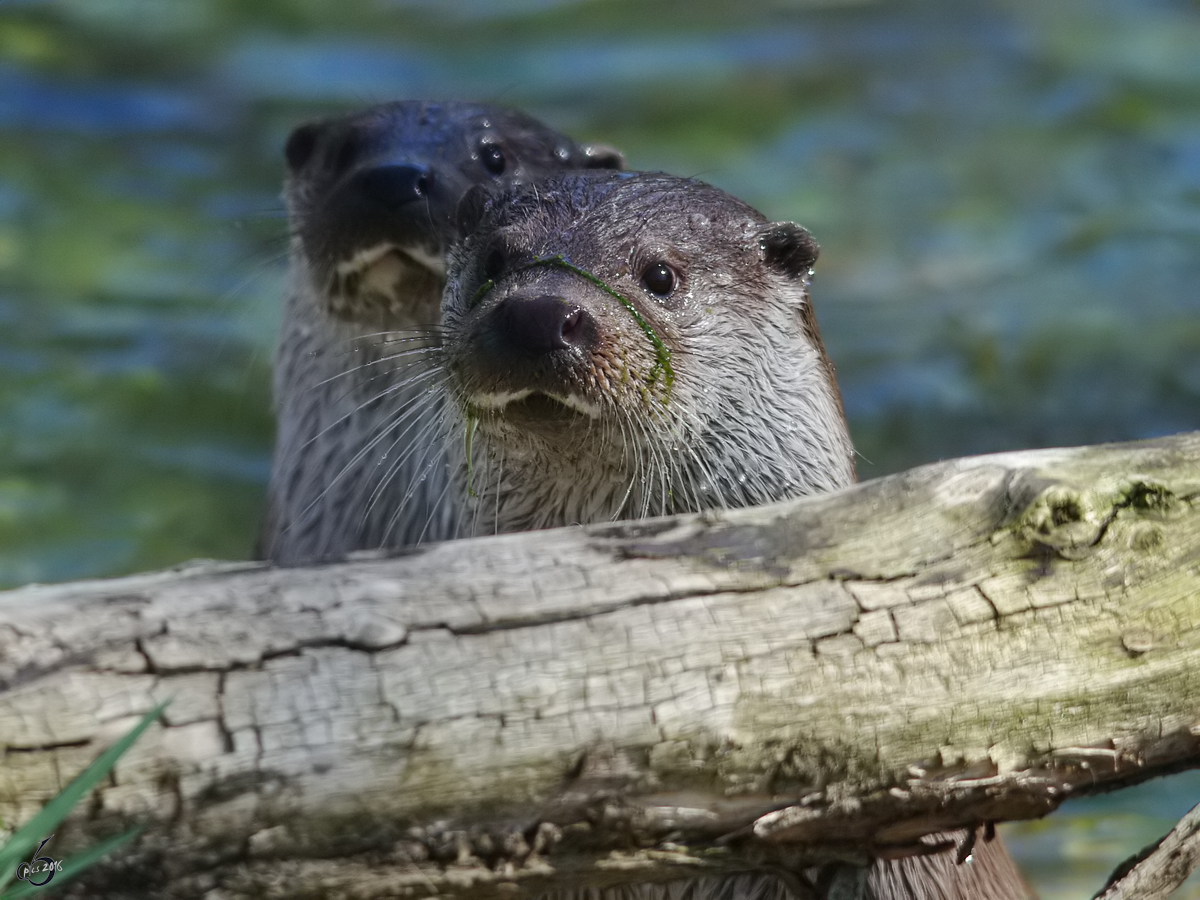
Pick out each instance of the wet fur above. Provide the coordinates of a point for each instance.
(361, 434)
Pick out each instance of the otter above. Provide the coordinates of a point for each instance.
(371, 199)
(624, 345)
(633, 346)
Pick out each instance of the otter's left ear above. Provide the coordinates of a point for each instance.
(471, 209)
(787, 248)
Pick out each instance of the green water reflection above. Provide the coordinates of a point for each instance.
(1007, 195)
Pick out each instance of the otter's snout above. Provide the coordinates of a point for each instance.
(534, 341)
(393, 185)
(378, 199)
(543, 324)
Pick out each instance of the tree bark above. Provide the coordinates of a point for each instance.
(966, 642)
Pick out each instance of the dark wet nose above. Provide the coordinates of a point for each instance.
(543, 324)
(395, 185)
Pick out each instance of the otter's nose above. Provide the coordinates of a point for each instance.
(542, 324)
(395, 185)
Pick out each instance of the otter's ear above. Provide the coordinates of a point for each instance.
(301, 143)
(471, 209)
(602, 156)
(787, 248)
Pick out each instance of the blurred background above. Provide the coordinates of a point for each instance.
(1006, 193)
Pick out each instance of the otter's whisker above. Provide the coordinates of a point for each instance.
(411, 411)
(429, 519)
(497, 491)
(411, 354)
(420, 442)
(416, 378)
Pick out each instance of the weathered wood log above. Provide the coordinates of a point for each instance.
(966, 642)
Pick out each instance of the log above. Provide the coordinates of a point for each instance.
(966, 642)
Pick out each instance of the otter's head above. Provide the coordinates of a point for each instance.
(372, 196)
(629, 345)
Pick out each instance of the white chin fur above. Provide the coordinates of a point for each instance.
(498, 401)
(383, 269)
(364, 259)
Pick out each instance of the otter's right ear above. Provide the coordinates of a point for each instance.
(470, 209)
(300, 145)
(788, 249)
(602, 156)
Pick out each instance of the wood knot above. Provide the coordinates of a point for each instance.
(1137, 641)
(1147, 496)
(1066, 520)
(1146, 537)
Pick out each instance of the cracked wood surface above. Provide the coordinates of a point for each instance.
(970, 641)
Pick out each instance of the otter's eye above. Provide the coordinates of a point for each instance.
(493, 158)
(660, 279)
(493, 264)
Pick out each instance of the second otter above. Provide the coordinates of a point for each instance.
(371, 200)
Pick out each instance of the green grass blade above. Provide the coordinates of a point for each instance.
(75, 865)
(43, 824)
